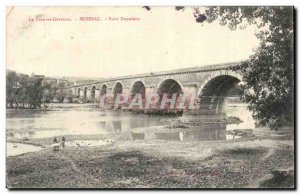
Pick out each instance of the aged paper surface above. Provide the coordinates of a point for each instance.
(149, 97)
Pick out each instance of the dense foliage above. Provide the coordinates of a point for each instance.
(269, 73)
(23, 91)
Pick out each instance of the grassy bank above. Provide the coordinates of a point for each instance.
(154, 164)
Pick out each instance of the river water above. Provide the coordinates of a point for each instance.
(14, 149)
(85, 119)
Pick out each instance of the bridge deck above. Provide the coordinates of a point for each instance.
(206, 68)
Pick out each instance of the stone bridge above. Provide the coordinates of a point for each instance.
(210, 84)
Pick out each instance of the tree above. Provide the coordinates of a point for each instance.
(47, 94)
(23, 91)
(69, 96)
(60, 95)
(269, 73)
(11, 85)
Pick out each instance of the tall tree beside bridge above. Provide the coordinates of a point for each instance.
(269, 73)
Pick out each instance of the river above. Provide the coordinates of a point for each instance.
(86, 120)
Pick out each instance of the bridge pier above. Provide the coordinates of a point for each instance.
(126, 92)
(149, 91)
(88, 95)
(212, 105)
(188, 91)
(190, 98)
(73, 91)
(109, 92)
(97, 95)
(81, 94)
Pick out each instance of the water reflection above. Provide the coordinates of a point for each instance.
(14, 149)
(43, 124)
(87, 120)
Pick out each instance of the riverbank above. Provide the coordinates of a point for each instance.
(154, 164)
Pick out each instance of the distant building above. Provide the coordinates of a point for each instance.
(56, 82)
(82, 82)
(37, 76)
(19, 74)
(50, 81)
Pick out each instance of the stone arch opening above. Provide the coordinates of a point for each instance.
(138, 88)
(118, 89)
(103, 90)
(78, 92)
(169, 86)
(93, 93)
(214, 93)
(85, 92)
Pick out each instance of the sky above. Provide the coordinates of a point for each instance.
(162, 39)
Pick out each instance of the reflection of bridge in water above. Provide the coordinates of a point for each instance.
(211, 84)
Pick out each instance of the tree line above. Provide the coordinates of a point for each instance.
(23, 91)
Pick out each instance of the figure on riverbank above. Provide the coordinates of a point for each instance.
(63, 141)
(55, 145)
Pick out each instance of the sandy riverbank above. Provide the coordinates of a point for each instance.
(155, 164)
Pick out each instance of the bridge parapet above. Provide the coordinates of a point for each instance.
(190, 70)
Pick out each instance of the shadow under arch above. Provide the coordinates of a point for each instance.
(103, 90)
(78, 92)
(117, 89)
(93, 93)
(213, 94)
(169, 87)
(138, 87)
(85, 93)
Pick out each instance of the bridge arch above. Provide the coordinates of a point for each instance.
(78, 92)
(93, 93)
(138, 87)
(214, 90)
(85, 92)
(118, 88)
(103, 90)
(216, 74)
(169, 86)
